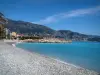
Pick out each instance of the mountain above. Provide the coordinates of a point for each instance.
(28, 28)
(70, 35)
(75, 36)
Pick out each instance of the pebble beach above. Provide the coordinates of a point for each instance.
(17, 61)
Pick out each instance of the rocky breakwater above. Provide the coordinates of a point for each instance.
(47, 40)
(54, 40)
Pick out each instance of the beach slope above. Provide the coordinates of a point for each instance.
(16, 61)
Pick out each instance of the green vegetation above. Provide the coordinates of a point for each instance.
(29, 37)
(2, 35)
(3, 21)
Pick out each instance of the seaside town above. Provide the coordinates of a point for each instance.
(8, 35)
(25, 38)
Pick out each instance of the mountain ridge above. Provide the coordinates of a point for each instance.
(28, 28)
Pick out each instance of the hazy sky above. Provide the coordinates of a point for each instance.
(77, 15)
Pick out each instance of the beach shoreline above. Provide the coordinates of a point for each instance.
(64, 67)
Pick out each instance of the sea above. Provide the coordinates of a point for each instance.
(83, 54)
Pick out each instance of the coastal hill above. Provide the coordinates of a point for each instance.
(28, 28)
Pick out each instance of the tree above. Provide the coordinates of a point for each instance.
(3, 21)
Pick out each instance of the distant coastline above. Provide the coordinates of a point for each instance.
(45, 40)
(34, 30)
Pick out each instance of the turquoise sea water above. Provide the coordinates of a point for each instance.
(83, 54)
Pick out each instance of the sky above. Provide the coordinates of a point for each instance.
(76, 15)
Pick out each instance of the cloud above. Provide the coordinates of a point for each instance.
(69, 14)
